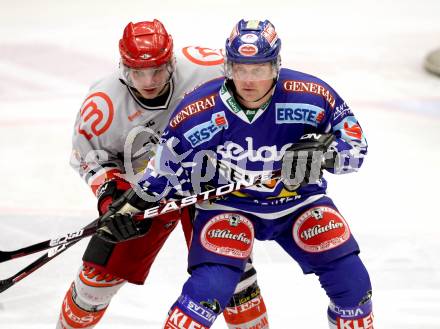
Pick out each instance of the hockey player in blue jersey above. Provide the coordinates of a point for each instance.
(259, 119)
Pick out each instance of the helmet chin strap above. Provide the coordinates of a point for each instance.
(167, 84)
(164, 88)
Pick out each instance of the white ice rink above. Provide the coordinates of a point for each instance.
(371, 52)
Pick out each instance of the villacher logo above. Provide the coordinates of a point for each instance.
(320, 229)
(220, 237)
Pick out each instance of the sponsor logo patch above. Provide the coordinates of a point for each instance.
(178, 319)
(353, 131)
(363, 323)
(320, 229)
(228, 234)
(96, 115)
(311, 88)
(250, 306)
(342, 111)
(203, 310)
(248, 49)
(234, 34)
(350, 129)
(203, 56)
(249, 38)
(270, 34)
(298, 113)
(77, 318)
(205, 131)
(266, 153)
(191, 109)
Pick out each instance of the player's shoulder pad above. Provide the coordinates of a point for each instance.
(98, 110)
(197, 104)
(300, 82)
(106, 83)
(198, 64)
(200, 56)
(110, 87)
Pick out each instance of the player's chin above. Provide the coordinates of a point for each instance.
(150, 93)
(250, 95)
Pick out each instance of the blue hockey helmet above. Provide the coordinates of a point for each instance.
(253, 41)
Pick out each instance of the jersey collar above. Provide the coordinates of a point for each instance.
(159, 103)
(247, 115)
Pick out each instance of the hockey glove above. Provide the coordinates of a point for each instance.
(109, 192)
(120, 222)
(304, 161)
(122, 227)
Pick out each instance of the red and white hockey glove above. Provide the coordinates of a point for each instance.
(110, 191)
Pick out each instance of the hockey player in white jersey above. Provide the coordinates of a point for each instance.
(115, 134)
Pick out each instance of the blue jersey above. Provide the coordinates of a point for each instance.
(211, 141)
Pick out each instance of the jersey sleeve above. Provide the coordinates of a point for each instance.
(176, 168)
(168, 172)
(94, 155)
(350, 144)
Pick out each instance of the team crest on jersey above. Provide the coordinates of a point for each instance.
(196, 107)
(203, 56)
(96, 115)
(298, 113)
(320, 229)
(228, 234)
(207, 130)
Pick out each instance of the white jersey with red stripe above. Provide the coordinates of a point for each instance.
(116, 132)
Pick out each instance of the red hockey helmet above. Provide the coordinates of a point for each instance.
(145, 44)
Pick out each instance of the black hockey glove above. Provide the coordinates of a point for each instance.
(122, 227)
(120, 222)
(304, 161)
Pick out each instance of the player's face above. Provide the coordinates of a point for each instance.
(150, 82)
(252, 81)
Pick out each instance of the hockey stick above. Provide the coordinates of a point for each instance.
(66, 239)
(52, 253)
(9, 282)
(152, 212)
(61, 244)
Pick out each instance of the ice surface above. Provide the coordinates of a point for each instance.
(370, 52)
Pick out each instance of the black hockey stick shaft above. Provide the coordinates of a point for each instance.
(69, 237)
(35, 265)
(59, 245)
(163, 208)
